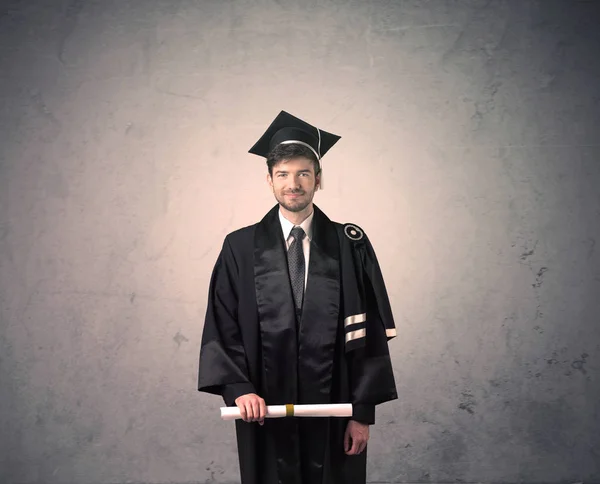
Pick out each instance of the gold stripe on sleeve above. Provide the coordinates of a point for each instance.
(355, 318)
(352, 335)
(289, 410)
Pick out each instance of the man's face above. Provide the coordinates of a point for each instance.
(294, 183)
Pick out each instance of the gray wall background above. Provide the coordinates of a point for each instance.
(470, 154)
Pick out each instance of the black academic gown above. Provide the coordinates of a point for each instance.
(335, 353)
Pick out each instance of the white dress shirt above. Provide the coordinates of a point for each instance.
(287, 226)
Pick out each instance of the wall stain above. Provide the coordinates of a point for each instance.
(217, 470)
(528, 253)
(468, 402)
(579, 364)
(539, 277)
(179, 338)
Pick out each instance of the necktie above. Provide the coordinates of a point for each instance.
(296, 267)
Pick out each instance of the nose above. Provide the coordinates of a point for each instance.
(295, 182)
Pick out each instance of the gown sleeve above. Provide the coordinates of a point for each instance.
(371, 374)
(223, 368)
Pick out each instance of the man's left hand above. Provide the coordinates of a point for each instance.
(356, 437)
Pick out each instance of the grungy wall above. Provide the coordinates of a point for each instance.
(470, 154)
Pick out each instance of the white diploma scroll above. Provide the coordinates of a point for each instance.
(278, 411)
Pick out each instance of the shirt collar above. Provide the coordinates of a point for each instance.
(287, 226)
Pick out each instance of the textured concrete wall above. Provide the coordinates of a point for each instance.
(470, 155)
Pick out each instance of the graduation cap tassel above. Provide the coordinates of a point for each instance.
(320, 161)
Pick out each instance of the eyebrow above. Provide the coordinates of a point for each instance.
(299, 171)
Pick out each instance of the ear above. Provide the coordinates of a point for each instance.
(269, 180)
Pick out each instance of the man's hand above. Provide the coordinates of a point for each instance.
(252, 408)
(356, 437)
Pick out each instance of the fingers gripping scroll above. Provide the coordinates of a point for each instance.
(252, 408)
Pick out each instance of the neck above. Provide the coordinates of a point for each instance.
(297, 217)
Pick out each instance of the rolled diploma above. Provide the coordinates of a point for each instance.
(278, 411)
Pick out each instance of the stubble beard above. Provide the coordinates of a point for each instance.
(297, 206)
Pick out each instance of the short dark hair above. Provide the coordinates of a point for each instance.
(289, 151)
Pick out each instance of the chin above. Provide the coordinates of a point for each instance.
(294, 208)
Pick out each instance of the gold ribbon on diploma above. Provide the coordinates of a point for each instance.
(289, 410)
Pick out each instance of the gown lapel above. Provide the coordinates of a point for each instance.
(276, 311)
(320, 313)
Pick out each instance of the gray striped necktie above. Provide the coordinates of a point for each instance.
(296, 267)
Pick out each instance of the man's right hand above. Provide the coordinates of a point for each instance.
(252, 408)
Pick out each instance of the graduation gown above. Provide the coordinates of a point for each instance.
(336, 352)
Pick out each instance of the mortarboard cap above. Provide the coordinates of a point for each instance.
(290, 129)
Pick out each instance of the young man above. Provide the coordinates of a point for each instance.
(298, 313)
